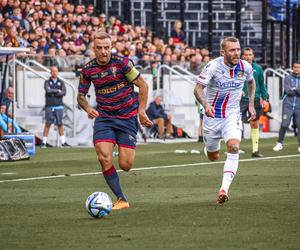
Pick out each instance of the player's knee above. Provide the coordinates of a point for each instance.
(254, 124)
(233, 148)
(105, 160)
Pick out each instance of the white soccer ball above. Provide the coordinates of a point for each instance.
(98, 204)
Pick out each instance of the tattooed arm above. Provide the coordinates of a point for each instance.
(200, 96)
(83, 103)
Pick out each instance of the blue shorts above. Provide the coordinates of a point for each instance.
(54, 115)
(116, 131)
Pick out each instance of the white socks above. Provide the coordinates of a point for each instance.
(45, 140)
(230, 169)
(62, 139)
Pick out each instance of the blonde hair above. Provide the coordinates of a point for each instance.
(228, 39)
(101, 35)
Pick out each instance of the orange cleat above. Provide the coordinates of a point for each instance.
(222, 197)
(120, 204)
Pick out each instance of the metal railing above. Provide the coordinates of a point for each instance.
(280, 70)
(179, 68)
(171, 71)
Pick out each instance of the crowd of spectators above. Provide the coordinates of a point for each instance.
(60, 33)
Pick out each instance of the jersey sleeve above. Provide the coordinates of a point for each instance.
(130, 72)
(206, 75)
(261, 82)
(248, 71)
(84, 82)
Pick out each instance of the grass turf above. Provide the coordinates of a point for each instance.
(171, 208)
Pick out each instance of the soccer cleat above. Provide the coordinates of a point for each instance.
(120, 204)
(43, 145)
(256, 154)
(278, 146)
(66, 145)
(222, 197)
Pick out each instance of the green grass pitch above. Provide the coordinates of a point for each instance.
(172, 201)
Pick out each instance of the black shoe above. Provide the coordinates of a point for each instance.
(66, 145)
(43, 145)
(200, 139)
(256, 155)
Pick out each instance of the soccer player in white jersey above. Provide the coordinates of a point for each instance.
(223, 79)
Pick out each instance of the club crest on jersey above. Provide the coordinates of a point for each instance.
(114, 71)
(240, 74)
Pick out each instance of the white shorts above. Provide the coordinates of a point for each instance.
(214, 129)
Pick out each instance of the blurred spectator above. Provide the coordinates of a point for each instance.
(6, 7)
(62, 60)
(159, 117)
(103, 23)
(177, 33)
(41, 24)
(2, 41)
(50, 60)
(91, 10)
(7, 100)
(6, 115)
(6, 123)
(183, 62)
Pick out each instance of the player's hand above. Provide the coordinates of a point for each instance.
(144, 120)
(92, 113)
(252, 113)
(243, 94)
(210, 111)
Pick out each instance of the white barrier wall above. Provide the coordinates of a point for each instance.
(30, 89)
(276, 102)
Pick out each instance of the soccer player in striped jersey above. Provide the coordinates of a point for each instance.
(223, 79)
(116, 122)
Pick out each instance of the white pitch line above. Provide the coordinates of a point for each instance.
(146, 168)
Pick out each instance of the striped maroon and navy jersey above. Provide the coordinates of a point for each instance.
(113, 85)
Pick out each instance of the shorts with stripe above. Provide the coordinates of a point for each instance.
(117, 131)
(214, 129)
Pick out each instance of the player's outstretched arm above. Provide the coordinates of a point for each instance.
(200, 96)
(143, 97)
(251, 92)
(83, 103)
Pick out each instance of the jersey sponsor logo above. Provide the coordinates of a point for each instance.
(231, 84)
(111, 89)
